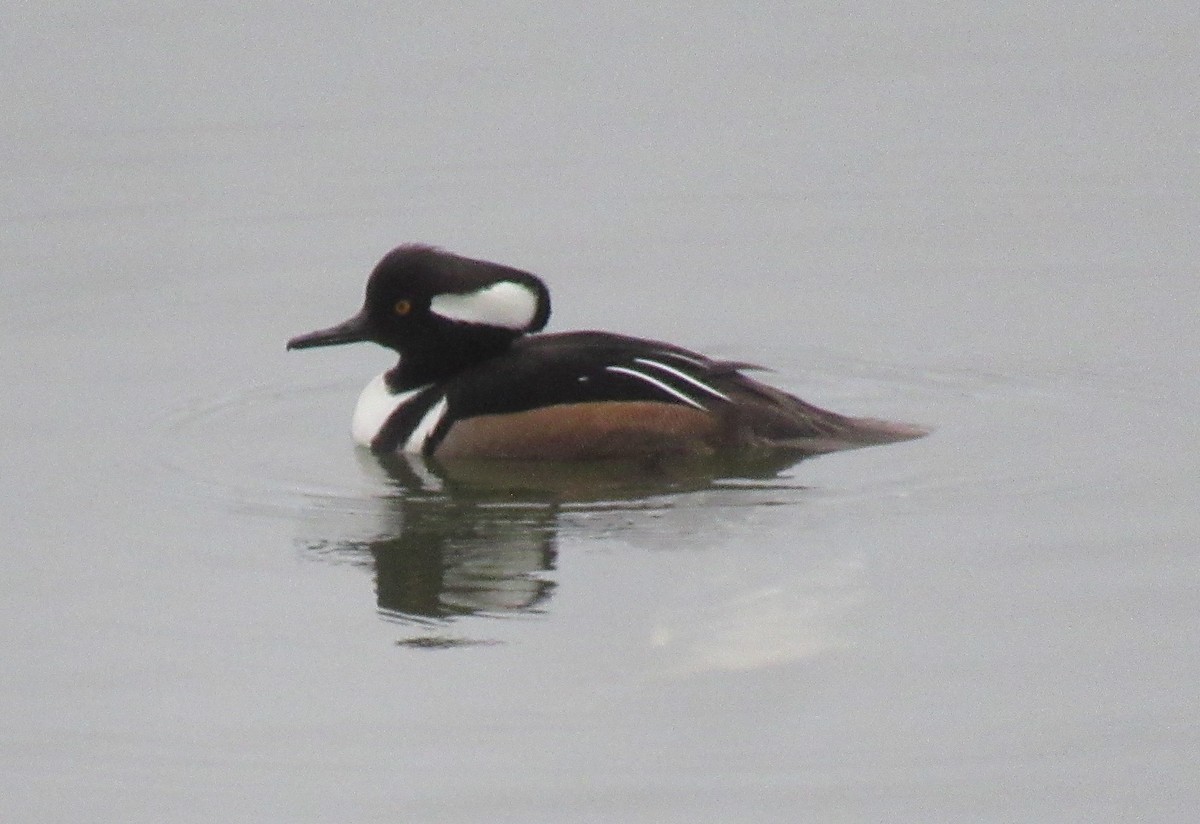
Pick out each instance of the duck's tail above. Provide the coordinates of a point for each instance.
(779, 420)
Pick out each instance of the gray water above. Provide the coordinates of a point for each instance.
(979, 219)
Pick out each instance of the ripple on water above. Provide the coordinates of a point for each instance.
(283, 449)
(447, 542)
(255, 449)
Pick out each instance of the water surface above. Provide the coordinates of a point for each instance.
(215, 608)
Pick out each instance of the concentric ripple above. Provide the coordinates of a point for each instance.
(448, 542)
(283, 450)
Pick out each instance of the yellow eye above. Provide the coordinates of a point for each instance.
(402, 306)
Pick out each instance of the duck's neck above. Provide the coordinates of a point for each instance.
(437, 360)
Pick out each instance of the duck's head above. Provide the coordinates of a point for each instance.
(426, 303)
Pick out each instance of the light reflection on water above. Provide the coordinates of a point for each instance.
(995, 623)
(482, 541)
(481, 538)
(450, 549)
(449, 561)
(271, 449)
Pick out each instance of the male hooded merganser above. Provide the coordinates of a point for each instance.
(473, 383)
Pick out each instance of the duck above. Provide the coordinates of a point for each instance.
(478, 379)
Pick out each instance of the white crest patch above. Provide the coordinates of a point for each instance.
(506, 304)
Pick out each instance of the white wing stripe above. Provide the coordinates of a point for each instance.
(655, 382)
(683, 376)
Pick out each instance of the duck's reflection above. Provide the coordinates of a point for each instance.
(477, 538)
(449, 555)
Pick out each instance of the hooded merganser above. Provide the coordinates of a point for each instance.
(473, 383)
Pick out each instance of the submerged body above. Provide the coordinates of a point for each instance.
(473, 383)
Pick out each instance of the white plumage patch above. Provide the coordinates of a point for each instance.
(506, 304)
(655, 382)
(375, 405)
(429, 421)
(683, 376)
